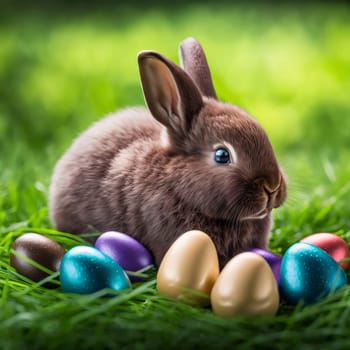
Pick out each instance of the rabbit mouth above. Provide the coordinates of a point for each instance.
(261, 214)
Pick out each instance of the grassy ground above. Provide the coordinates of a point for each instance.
(62, 69)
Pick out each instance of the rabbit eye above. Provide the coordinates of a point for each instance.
(222, 156)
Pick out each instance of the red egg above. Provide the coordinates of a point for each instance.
(332, 244)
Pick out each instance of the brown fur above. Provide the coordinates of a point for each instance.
(155, 181)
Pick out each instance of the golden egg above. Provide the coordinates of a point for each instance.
(246, 286)
(189, 269)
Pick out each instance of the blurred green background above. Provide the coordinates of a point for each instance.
(66, 64)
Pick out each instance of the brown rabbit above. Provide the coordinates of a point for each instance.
(192, 162)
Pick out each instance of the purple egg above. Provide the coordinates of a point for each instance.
(273, 260)
(131, 255)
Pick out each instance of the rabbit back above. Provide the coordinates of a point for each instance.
(80, 195)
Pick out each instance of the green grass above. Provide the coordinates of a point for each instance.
(287, 65)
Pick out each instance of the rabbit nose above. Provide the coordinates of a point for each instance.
(268, 185)
(271, 195)
(270, 191)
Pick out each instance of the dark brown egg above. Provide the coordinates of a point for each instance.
(40, 249)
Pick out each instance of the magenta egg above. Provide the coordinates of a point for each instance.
(332, 244)
(130, 254)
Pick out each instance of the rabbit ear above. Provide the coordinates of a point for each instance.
(193, 61)
(171, 95)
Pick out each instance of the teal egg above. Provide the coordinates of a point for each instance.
(86, 270)
(308, 273)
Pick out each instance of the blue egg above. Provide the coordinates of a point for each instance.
(86, 270)
(308, 273)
